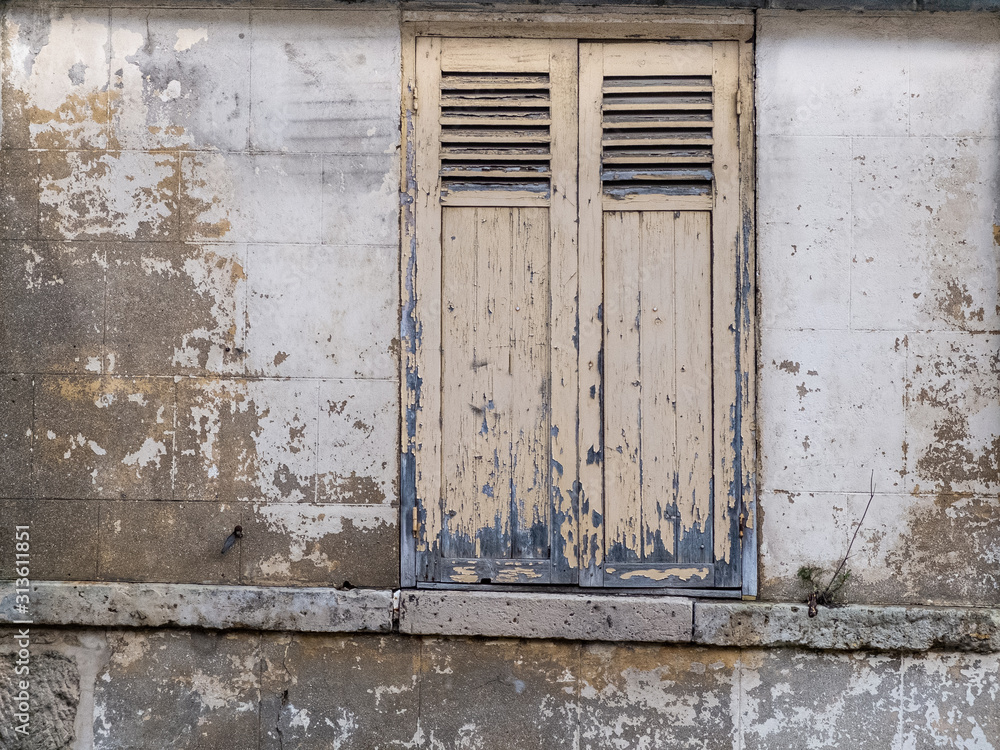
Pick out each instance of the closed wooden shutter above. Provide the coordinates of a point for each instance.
(496, 269)
(577, 227)
(659, 222)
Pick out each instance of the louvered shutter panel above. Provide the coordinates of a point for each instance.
(658, 233)
(495, 134)
(656, 135)
(496, 267)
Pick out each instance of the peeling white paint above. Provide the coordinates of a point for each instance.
(280, 463)
(346, 725)
(312, 522)
(300, 717)
(187, 38)
(218, 276)
(172, 91)
(214, 693)
(45, 81)
(110, 193)
(149, 453)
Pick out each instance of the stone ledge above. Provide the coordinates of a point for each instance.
(315, 610)
(569, 616)
(588, 617)
(847, 628)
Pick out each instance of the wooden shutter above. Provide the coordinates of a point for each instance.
(574, 404)
(495, 285)
(659, 224)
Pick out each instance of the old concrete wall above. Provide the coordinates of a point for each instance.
(198, 322)
(199, 292)
(879, 239)
(199, 308)
(245, 690)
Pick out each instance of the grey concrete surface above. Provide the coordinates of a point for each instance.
(213, 607)
(573, 616)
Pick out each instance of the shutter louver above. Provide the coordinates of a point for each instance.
(657, 135)
(495, 133)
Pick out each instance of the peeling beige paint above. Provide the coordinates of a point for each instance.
(465, 574)
(684, 574)
(209, 195)
(517, 574)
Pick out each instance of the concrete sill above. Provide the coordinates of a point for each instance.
(588, 617)
(151, 605)
(705, 623)
(849, 628)
(582, 617)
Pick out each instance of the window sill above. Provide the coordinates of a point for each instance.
(581, 617)
(213, 607)
(599, 617)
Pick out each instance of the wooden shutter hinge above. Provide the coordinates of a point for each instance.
(415, 100)
(743, 522)
(739, 102)
(416, 524)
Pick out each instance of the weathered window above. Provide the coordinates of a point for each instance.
(574, 396)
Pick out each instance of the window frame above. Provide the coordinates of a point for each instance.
(585, 24)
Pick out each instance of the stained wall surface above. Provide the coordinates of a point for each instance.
(878, 257)
(242, 690)
(200, 292)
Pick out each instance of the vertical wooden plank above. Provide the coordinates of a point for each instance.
(747, 335)
(477, 393)
(622, 387)
(656, 341)
(726, 230)
(463, 419)
(693, 373)
(492, 367)
(409, 526)
(427, 283)
(529, 384)
(564, 321)
(591, 354)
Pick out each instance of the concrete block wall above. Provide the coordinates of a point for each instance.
(199, 292)
(878, 246)
(108, 689)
